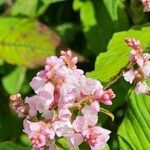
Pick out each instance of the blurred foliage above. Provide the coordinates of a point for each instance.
(31, 30)
(30, 8)
(12, 146)
(101, 19)
(12, 82)
(23, 39)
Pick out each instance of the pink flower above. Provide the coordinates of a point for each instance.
(142, 88)
(129, 76)
(49, 133)
(41, 88)
(146, 4)
(48, 114)
(18, 105)
(140, 61)
(73, 76)
(79, 124)
(40, 133)
(51, 147)
(65, 104)
(37, 104)
(38, 140)
(146, 69)
(30, 127)
(32, 101)
(75, 140)
(37, 83)
(146, 56)
(96, 137)
(90, 115)
(139, 64)
(62, 128)
(95, 106)
(107, 96)
(89, 86)
(64, 114)
(53, 62)
(135, 44)
(136, 56)
(21, 111)
(68, 58)
(67, 95)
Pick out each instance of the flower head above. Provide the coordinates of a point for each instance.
(66, 104)
(139, 67)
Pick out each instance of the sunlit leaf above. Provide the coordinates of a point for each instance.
(26, 42)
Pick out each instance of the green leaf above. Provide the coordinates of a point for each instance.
(31, 8)
(51, 1)
(27, 8)
(24, 138)
(101, 19)
(62, 144)
(12, 82)
(2, 2)
(86, 12)
(9, 145)
(109, 64)
(134, 132)
(106, 147)
(44, 4)
(2, 66)
(26, 42)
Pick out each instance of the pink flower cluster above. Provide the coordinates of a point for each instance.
(65, 104)
(146, 4)
(139, 69)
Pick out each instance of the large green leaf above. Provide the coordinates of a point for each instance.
(12, 82)
(26, 42)
(108, 64)
(31, 8)
(101, 19)
(9, 145)
(134, 132)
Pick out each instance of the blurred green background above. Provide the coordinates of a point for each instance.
(31, 30)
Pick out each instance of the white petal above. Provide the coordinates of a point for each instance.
(129, 76)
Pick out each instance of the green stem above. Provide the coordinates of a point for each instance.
(103, 110)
